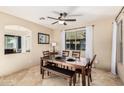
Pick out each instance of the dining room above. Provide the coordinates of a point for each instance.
(60, 46)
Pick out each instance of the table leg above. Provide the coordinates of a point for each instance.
(83, 77)
(70, 81)
(41, 64)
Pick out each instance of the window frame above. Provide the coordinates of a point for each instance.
(75, 40)
(12, 52)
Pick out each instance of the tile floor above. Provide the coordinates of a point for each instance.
(32, 77)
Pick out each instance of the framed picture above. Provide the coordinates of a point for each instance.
(43, 38)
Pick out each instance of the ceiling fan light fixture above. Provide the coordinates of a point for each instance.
(61, 22)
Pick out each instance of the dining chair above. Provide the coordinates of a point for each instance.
(88, 70)
(65, 53)
(76, 54)
(46, 54)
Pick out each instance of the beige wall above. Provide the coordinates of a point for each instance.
(15, 62)
(120, 66)
(57, 39)
(102, 42)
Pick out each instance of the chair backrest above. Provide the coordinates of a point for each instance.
(46, 54)
(91, 63)
(65, 53)
(76, 54)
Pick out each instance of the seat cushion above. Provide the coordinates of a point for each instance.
(60, 70)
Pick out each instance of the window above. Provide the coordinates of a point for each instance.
(75, 40)
(28, 43)
(12, 44)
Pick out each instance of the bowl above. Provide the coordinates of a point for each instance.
(70, 59)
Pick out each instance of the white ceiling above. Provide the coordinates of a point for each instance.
(33, 13)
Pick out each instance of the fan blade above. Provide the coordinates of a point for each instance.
(55, 22)
(53, 18)
(69, 19)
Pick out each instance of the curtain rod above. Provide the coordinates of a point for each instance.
(76, 28)
(119, 13)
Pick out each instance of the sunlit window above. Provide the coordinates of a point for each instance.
(12, 44)
(75, 40)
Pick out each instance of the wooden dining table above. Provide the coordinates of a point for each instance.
(78, 64)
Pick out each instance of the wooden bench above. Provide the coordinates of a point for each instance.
(61, 72)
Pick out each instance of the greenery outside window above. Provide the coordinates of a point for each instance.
(12, 44)
(75, 40)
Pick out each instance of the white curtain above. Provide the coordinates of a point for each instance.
(89, 42)
(114, 41)
(63, 40)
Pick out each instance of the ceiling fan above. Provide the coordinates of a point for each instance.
(62, 19)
